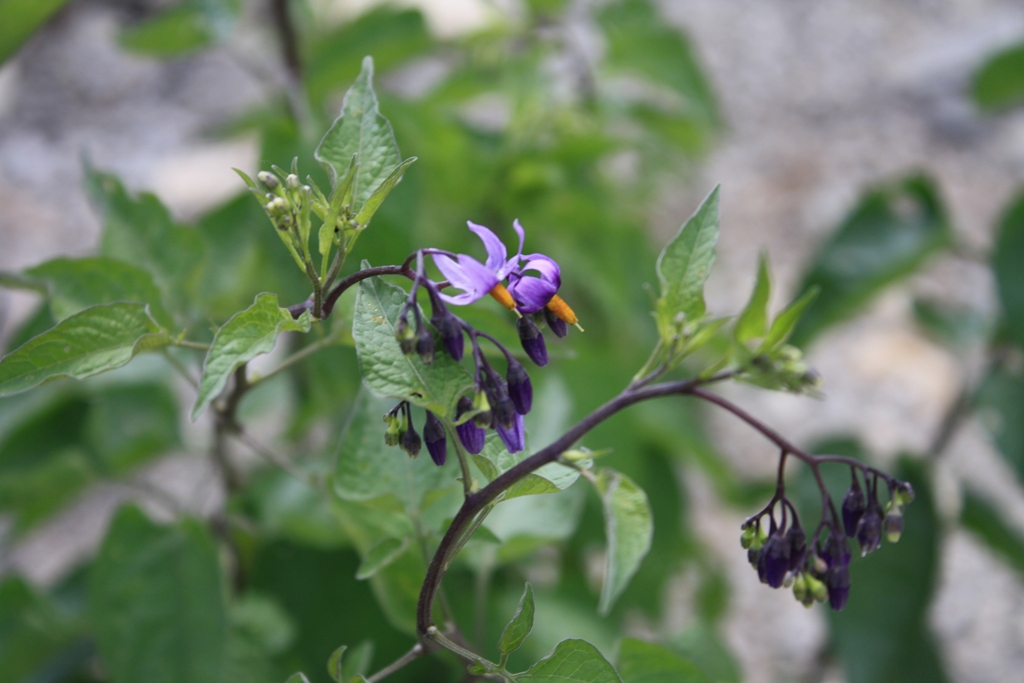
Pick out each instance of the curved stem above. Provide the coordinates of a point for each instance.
(476, 502)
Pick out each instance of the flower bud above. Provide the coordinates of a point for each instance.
(513, 436)
(557, 325)
(854, 505)
(520, 390)
(394, 431)
(268, 180)
(425, 345)
(292, 182)
(869, 530)
(411, 443)
(837, 581)
(773, 560)
(893, 523)
(747, 538)
(405, 335)
(904, 493)
(797, 541)
(816, 589)
(497, 395)
(471, 436)
(532, 340)
(434, 436)
(450, 330)
(483, 417)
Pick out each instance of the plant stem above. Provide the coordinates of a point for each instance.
(412, 655)
(185, 343)
(181, 369)
(299, 355)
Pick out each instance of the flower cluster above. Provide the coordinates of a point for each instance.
(818, 568)
(498, 401)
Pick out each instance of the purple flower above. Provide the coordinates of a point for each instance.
(527, 293)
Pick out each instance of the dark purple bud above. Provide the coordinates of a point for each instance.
(773, 560)
(532, 340)
(797, 541)
(520, 390)
(513, 436)
(837, 580)
(425, 345)
(869, 530)
(411, 443)
(557, 325)
(854, 505)
(502, 408)
(434, 436)
(450, 331)
(471, 436)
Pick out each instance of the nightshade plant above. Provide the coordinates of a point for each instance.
(442, 383)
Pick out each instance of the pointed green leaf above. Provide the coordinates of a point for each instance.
(368, 468)
(76, 284)
(787, 320)
(981, 518)
(572, 661)
(360, 130)
(246, 335)
(519, 626)
(389, 372)
(888, 235)
(157, 598)
(340, 197)
(334, 669)
(643, 662)
(999, 82)
(753, 321)
(374, 201)
(95, 340)
(19, 19)
(629, 529)
(380, 556)
(1006, 264)
(684, 264)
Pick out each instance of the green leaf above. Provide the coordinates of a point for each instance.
(1000, 407)
(1006, 264)
(368, 468)
(786, 321)
(380, 556)
(297, 677)
(19, 19)
(389, 372)
(883, 636)
(684, 264)
(182, 29)
(374, 201)
(572, 661)
(519, 626)
(334, 669)
(98, 339)
(32, 634)
(495, 459)
(643, 662)
(988, 525)
(887, 236)
(140, 231)
(157, 599)
(753, 321)
(629, 529)
(360, 130)
(704, 648)
(246, 335)
(76, 284)
(999, 82)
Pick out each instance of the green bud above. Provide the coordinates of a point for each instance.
(747, 539)
(816, 589)
(800, 591)
(893, 522)
(789, 354)
(481, 404)
(292, 182)
(904, 494)
(268, 180)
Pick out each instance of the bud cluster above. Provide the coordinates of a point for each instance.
(784, 368)
(818, 568)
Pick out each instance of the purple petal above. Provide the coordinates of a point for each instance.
(514, 436)
(531, 293)
(496, 252)
(468, 274)
(546, 266)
